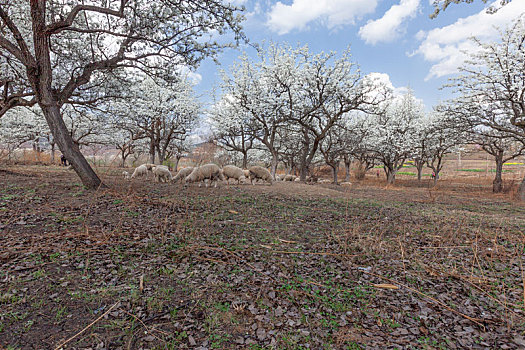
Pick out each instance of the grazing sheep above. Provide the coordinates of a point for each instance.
(181, 175)
(312, 178)
(345, 183)
(297, 179)
(126, 175)
(324, 181)
(289, 177)
(246, 173)
(233, 172)
(141, 170)
(162, 174)
(206, 172)
(149, 166)
(278, 178)
(257, 172)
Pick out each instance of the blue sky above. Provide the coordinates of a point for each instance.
(393, 37)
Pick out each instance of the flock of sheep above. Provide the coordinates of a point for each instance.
(212, 173)
(206, 173)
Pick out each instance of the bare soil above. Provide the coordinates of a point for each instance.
(139, 265)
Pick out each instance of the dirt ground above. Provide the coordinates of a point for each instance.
(140, 265)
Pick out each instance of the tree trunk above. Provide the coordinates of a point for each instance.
(390, 175)
(41, 78)
(124, 157)
(419, 168)
(69, 148)
(152, 149)
(335, 168)
(53, 153)
(497, 184)
(244, 159)
(347, 170)
(274, 164)
(176, 165)
(303, 173)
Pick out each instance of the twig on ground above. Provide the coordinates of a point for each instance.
(61, 346)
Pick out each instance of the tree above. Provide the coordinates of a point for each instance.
(161, 114)
(442, 5)
(179, 149)
(73, 42)
(392, 137)
(357, 129)
(491, 87)
(443, 136)
(502, 148)
(18, 126)
(230, 124)
(258, 98)
(332, 148)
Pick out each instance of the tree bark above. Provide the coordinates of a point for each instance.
(274, 164)
(390, 175)
(244, 159)
(53, 153)
(497, 184)
(152, 150)
(124, 156)
(419, 167)
(335, 168)
(176, 165)
(347, 170)
(68, 147)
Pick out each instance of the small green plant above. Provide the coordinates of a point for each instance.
(28, 325)
(61, 313)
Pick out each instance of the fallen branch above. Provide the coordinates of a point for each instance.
(61, 346)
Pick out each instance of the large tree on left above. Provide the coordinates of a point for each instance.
(51, 51)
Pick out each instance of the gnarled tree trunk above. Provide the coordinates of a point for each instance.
(41, 77)
(68, 147)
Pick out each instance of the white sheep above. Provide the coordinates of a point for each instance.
(233, 172)
(345, 183)
(324, 181)
(257, 172)
(150, 166)
(181, 175)
(278, 177)
(162, 173)
(289, 177)
(210, 172)
(126, 175)
(141, 170)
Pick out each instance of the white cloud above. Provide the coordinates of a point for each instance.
(445, 46)
(238, 2)
(381, 81)
(384, 79)
(331, 13)
(192, 76)
(388, 27)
